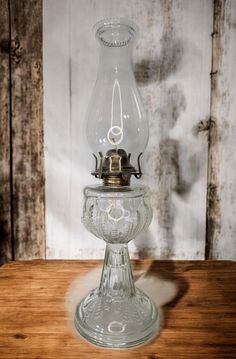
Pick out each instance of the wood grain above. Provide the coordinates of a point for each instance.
(221, 198)
(5, 137)
(199, 323)
(27, 129)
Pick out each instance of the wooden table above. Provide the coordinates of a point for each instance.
(200, 323)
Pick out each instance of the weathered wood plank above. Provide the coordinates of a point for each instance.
(199, 323)
(5, 150)
(27, 129)
(175, 57)
(57, 127)
(172, 64)
(221, 229)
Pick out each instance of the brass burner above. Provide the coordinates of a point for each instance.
(115, 168)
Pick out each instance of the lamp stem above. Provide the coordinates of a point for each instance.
(117, 278)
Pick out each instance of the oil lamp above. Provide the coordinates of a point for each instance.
(117, 314)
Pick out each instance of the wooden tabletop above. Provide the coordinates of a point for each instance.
(199, 323)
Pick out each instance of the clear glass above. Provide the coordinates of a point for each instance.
(117, 314)
(115, 117)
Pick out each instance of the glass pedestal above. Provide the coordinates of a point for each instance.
(117, 314)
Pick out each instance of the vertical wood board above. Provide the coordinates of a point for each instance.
(222, 159)
(57, 128)
(27, 129)
(5, 161)
(173, 70)
(172, 62)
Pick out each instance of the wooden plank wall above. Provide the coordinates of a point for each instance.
(22, 169)
(184, 65)
(172, 62)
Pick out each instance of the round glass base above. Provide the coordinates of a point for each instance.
(117, 322)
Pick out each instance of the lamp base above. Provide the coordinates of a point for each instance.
(117, 322)
(117, 314)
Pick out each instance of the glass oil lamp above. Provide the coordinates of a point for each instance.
(117, 314)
